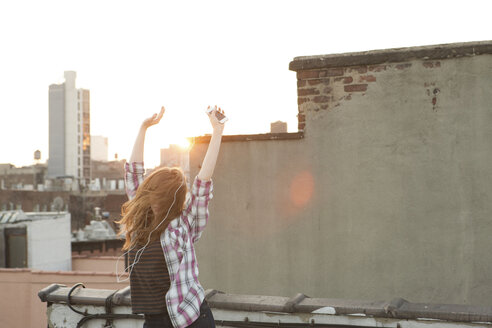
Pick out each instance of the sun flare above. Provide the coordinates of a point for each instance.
(183, 143)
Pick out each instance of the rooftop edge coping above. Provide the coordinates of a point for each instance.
(374, 57)
(251, 137)
(396, 308)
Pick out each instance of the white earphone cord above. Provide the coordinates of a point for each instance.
(139, 253)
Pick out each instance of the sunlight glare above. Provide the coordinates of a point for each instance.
(301, 189)
(183, 143)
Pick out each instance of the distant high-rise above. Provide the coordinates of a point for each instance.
(69, 129)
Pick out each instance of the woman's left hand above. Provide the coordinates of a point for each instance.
(154, 119)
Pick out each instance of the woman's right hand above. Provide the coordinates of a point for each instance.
(154, 119)
(214, 120)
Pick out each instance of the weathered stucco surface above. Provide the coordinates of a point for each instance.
(20, 306)
(388, 194)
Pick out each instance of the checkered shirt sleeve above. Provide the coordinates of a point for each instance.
(134, 176)
(196, 210)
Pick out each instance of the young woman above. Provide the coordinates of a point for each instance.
(161, 226)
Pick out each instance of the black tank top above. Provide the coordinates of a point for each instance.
(149, 280)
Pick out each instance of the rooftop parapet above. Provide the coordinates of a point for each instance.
(269, 311)
(374, 57)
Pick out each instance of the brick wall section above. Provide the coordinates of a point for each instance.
(323, 82)
(325, 89)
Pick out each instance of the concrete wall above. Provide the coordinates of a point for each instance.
(98, 263)
(257, 226)
(20, 306)
(387, 195)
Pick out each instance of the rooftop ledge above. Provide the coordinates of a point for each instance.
(299, 307)
(252, 137)
(374, 57)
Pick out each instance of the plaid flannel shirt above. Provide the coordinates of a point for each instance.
(185, 295)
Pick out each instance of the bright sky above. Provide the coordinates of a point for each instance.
(136, 56)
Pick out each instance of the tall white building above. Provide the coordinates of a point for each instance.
(99, 148)
(69, 128)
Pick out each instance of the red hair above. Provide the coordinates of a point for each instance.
(162, 189)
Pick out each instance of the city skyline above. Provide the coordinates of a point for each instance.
(186, 56)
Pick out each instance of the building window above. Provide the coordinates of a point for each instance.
(79, 150)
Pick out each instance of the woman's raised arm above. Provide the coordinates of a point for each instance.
(134, 169)
(138, 146)
(210, 159)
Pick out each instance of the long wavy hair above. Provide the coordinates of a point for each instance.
(142, 214)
